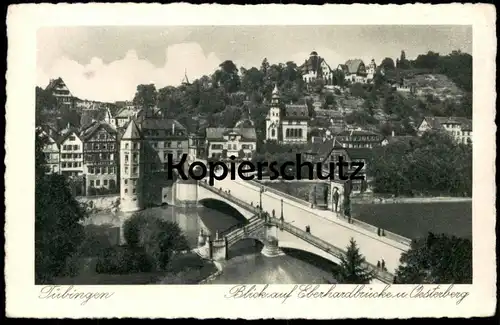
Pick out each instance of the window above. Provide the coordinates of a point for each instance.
(102, 136)
(126, 191)
(135, 170)
(63, 165)
(169, 144)
(125, 181)
(133, 190)
(135, 145)
(126, 145)
(135, 157)
(179, 144)
(97, 182)
(75, 147)
(126, 159)
(92, 183)
(105, 182)
(273, 133)
(72, 138)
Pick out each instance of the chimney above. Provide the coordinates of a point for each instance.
(392, 133)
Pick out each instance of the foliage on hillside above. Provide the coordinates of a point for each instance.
(433, 164)
(437, 259)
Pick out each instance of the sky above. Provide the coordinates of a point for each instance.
(107, 63)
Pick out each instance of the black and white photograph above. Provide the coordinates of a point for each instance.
(113, 102)
(313, 156)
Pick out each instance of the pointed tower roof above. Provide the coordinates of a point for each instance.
(276, 92)
(185, 81)
(132, 132)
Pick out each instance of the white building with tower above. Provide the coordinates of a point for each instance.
(131, 169)
(286, 123)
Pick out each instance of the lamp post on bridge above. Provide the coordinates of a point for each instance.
(261, 191)
(282, 218)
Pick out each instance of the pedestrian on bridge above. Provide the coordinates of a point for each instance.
(308, 229)
(383, 265)
(336, 197)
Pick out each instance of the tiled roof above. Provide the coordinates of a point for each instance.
(54, 82)
(436, 122)
(357, 133)
(66, 133)
(161, 124)
(126, 113)
(218, 133)
(92, 128)
(353, 65)
(132, 132)
(313, 63)
(296, 112)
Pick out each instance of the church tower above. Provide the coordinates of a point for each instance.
(131, 169)
(273, 120)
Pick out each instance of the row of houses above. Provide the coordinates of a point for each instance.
(355, 70)
(92, 153)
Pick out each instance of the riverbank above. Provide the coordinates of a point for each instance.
(186, 268)
(383, 200)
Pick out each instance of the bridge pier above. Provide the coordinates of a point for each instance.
(186, 193)
(271, 243)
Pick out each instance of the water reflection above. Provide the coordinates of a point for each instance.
(246, 264)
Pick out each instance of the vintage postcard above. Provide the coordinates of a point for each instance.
(272, 161)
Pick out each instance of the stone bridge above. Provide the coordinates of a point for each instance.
(274, 233)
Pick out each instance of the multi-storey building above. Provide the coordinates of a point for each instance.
(131, 169)
(316, 68)
(161, 138)
(359, 139)
(226, 142)
(125, 115)
(354, 71)
(61, 92)
(460, 128)
(329, 151)
(71, 150)
(100, 159)
(286, 123)
(50, 148)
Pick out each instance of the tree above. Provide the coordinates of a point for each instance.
(387, 64)
(146, 96)
(352, 269)
(433, 164)
(437, 259)
(58, 232)
(159, 238)
(241, 154)
(227, 76)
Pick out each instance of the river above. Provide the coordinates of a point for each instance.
(246, 264)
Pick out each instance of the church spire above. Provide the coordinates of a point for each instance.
(275, 91)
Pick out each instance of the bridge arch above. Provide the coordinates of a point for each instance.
(224, 207)
(219, 202)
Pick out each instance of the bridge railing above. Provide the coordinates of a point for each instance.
(235, 234)
(229, 231)
(386, 234)
(354, 221)
(277, 192)
(243, 231)
(323, 245)
(230, 197)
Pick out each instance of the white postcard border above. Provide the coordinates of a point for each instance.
(209, 301)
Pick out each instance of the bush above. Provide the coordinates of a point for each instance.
(122, 260)
(159, 238)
